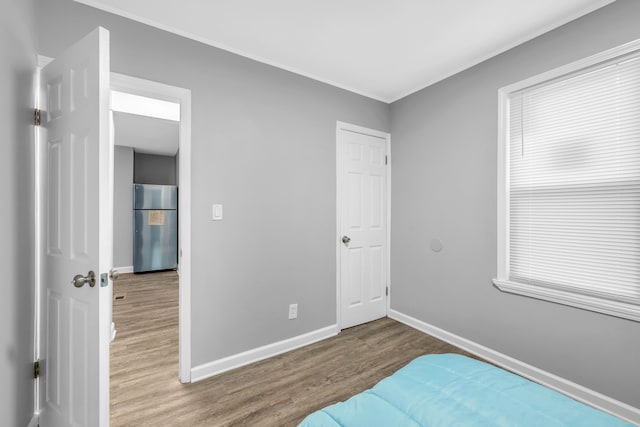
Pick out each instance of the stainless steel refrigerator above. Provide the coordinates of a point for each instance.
(155, 224)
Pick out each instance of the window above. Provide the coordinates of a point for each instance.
(569, 185)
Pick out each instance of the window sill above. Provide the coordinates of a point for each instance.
(612, 308)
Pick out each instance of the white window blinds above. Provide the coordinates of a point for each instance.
(574, 183)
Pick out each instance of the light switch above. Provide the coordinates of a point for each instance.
(217, 213)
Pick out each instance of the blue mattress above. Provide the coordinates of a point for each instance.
(453, 390)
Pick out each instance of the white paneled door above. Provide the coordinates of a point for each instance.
(362, 217)
(76, 170)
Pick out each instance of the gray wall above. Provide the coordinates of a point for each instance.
(123, 207)
(17, 50)
(154, 169)
(263, 144)
(444, 186)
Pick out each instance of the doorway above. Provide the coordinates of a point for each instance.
(85, 66)
(363, 183)
(165, 93)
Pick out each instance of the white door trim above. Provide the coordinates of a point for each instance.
(38, 243)
(339, 189)
(42, 61)
(182, 96)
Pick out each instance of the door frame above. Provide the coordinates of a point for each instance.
(41, 62)
(143, 87)
(182, 96)
(340, 183)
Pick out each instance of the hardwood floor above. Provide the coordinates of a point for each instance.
(279, 391)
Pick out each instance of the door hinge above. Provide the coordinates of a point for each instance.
(386, 160)
(36, 369)
(37, 116)
(387, 291)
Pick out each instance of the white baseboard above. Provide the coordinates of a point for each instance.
(34, 421)
(123, 270)
(571, 389)
(237, 360)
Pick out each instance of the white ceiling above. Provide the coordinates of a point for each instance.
(146, 134)
(383, 49)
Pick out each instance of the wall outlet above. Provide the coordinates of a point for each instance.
(293, 311)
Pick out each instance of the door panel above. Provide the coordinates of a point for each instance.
(52, 389)
(354, 203)
(363, 220)
(76, 159)
(356, 276)
(79, 197)
(79, 342)
(376, 211)
(54, 217)
(377, 272)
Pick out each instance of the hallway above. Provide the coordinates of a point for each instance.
(144, 353)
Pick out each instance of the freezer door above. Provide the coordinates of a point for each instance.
(148, 196)
(155, 240)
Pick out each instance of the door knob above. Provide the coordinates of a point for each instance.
(79, 280)
(114, 274)
(346, 239)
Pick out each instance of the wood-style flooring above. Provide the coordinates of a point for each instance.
(280, 391)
